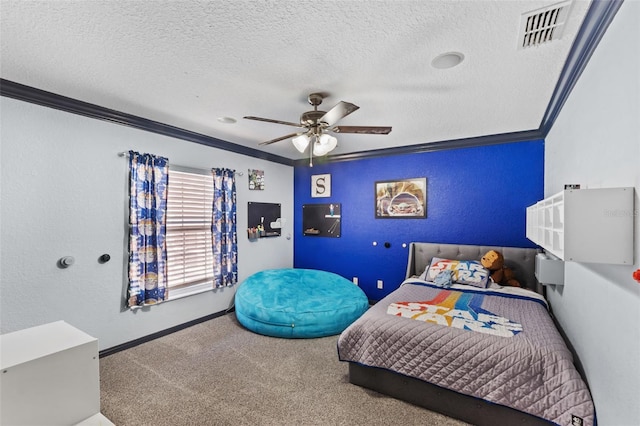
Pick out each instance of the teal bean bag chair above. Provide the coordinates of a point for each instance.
(298, 303)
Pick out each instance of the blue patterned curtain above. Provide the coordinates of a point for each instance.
(223, 228)
(149, 177)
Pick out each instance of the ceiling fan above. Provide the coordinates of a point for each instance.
(318, 124)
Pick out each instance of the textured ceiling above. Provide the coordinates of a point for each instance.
(186, 63)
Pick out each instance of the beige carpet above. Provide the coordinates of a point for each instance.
(218, 373)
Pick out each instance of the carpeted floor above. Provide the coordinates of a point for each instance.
(218, 373)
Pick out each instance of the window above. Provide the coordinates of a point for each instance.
(188, 238)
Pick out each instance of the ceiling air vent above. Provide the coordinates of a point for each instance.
(543, 25)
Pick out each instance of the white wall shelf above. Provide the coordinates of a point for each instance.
(585, 225)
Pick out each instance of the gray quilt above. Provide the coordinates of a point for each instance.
(502, 348)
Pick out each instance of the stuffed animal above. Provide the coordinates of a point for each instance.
(500, 274)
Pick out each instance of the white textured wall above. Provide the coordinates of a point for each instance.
(64, 192)
(596, 142)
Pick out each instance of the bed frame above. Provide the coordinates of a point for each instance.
(435, 398)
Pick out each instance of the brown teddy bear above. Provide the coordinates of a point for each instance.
(500, 274)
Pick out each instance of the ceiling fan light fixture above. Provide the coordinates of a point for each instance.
(324, 144)
(301, 142)
(319, 150)
(328, 140)
(316, 123)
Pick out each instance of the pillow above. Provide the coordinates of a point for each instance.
(470, 272)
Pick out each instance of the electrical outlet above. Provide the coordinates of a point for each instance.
(380, 284)
(355, 280)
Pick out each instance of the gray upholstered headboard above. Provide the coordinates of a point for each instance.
(521, 260)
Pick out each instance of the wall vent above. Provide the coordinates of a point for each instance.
(543, 25)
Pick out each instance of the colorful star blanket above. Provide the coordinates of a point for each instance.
(457, 309)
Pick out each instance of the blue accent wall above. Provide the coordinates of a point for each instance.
(474, 196)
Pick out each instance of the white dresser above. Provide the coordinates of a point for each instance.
(50, 375)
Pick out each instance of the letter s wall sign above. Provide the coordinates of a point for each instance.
(321, 186)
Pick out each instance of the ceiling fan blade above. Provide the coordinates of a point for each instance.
(268, 120)
(341, 110)
(370, 130)
(291, 135)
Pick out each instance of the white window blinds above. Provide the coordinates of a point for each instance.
(189, 253)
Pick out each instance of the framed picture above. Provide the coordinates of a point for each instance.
(256, 180)
(321, 186)
(401, 199)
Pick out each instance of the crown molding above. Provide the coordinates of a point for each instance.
(21, 92)
(594, 25)
(524, 136)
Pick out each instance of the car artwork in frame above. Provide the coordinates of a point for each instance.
(401, 199)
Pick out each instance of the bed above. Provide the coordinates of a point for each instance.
(487, 356)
